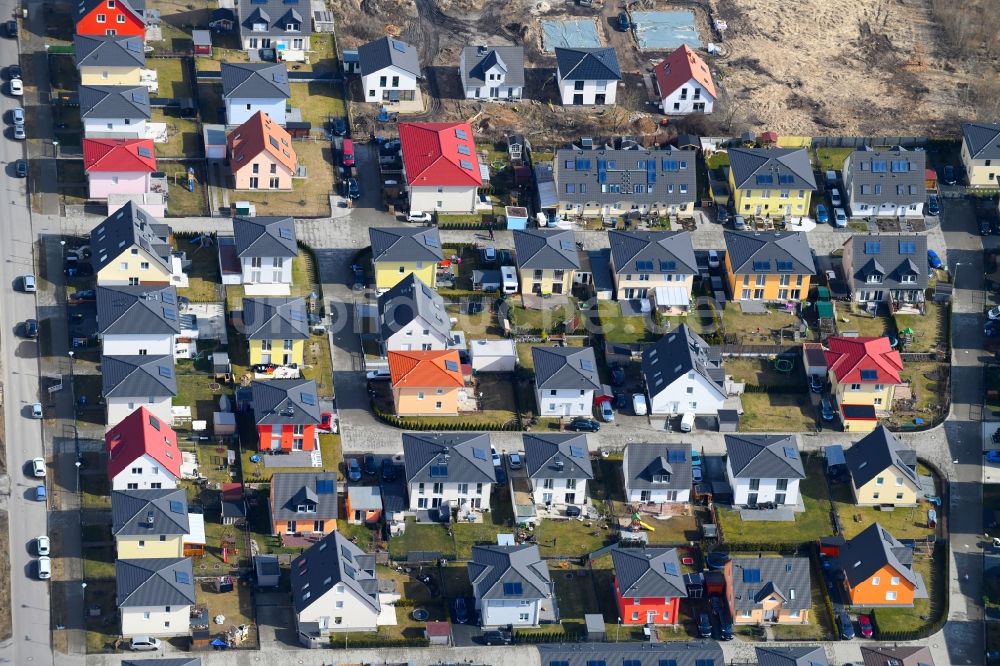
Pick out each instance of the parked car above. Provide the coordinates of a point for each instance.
(984, 226)
(839, 218)
(340, 126)
(992, 328)
(993, 313)
(933, 260)
(739, 223)
(713, 259)
(617, 375)
(21, 168)
(16, 87)
(583, 424)
(40, 493)
(822, 214)
(695, 458)
(725, 627)
(44, 568)
(388, 470)
(865, 625)
(42, 545)
(353, 470)
(826, 410)
(38, 467)
(326, 422)
(496, 637)
(14, 72)
(620, 400)
(704, 626)
(347, 153)
(379, 376)
(696, 474)
(353, 190)
(723, 215)
(846, 626)
(514, 460)
(28, 284)
(358, 282)
(497, 459)
(639, 404)
(835, 197)
(607, 414)
(17, 115)
(489, 254)
(623, 23)
(816, 383)
(84, 295)
(461, 611)
(371, 467)
(144, 643)
(948, 177)
(19, 133)
(933, 205)
(573, 511)
(687, 422)
(31, 328)
(10, 27)
(419, 216)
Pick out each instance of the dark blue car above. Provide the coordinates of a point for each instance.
(933, 260)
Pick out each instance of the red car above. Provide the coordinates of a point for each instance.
(326, 423)
(865, 623)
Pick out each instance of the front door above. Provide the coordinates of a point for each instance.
(570, 498)
(578, 100)
(599, 98)
(650, 617)
(768, 613)
(546, 498)
(297, 444)
(494, 92)
(645, 495)
(265, 358)
(286, 359)
(254, 182)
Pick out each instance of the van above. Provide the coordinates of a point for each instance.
(44, 568)
(639, 404)
(509, 279)
(347, 153)
(687, 422)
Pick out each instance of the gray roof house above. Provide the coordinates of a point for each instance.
(558, 468)
(981, 153)
(504, 575)
(492, 72)
(675, 653)
(135, 376)
(609, 182)
(887, 268)
(652, 252)
(304, 497)
(769, 253)
(565, 380)
(166, 581)
(411, 315)
(764, 468)
(275, 24)
(587, 75)
(265, 236)
(885, 183)
(779, 586)
(874, 549)
(681, 369)
(279, 402)
(539, 249)
(149, 513)
(102, 51)
(801, 655)
(387, 52)
(137, 310)
(255, 80)
(405, 244)
(770, 169)
(334, 587)
(114, 103)
(275, 318)
(130, 227)
(896, 655)
(880, 455)
(657, 473)
(447, 469)
(649, 572)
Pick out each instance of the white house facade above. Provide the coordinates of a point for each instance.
(125, 345)
(144, 473)
(266, 270)
(688, 98)
(577, 92)
(430, 495)
(120, 407)
(158, 621)
(657, 473)
(444, 198)
(379, 84)
(239, 110)
(557, 492)
(759, 491)
(587, 76)
(492, 72)
(501, 612)
(118, 128)
(764, 469)
(565, 402)
(690, 392)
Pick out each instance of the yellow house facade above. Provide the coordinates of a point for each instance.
(981, 154)
(134, 265)
(883, 471)
(389, 273)
(154, 545)
(546, 281)
(280, 352)
(891, 486)
(426, 401)
(276, 329)
(96, 75)
(771, 182)
(772, 609)
(547, 260)
(877, 395)
(401, 251)
(768, 266)
(426, 383)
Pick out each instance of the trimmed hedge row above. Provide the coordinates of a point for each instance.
(939, 603)
(375, 642)
(514, 425)
(549, 637)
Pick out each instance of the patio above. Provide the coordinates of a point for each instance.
(539, 302)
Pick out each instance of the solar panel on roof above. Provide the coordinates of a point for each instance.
(182, 577)
(576, 452)
(751, 575)
(791, 452)
(566, 245)
(478, 453)
(786, 179)
(176, 507)
(596, 662)
(325, 487)
(668, 266)
(582, 164)
(878, 166)
(286, 233)
(765, 179)
(907, 247)
(168, 297)
(309, 398)
(785, 266)
(170, 313)
(873, 247)
(675, 456)
(298, 314)
(643, 266)
(438, 471)
(762, 265)
(451, 366)
(464, 149)
(460, 134)
(513, 588)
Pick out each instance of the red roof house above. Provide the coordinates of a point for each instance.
(142, 453)
(100, 18)
(863, 360)
(684, 82)
(441, 166)
(118, 166)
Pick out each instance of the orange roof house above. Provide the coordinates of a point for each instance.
(878, 570)
(426, 382)
(261, 155)
(684, 83)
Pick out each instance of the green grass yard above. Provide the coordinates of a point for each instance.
(902, 523)
(543, 320)
(173, 77)
(204, 279)
(777, 412)
(318, 102)
(183, 138)
(927, 328)
(310, 196)
(422, 536)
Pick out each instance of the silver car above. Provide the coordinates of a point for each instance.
(19, 133)
(18, 115)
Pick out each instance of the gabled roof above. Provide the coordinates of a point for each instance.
(765, 456)
(676, 354)
(128, 155)
(557, 456)
(260, 80)
(260, 134)
(648, 572)
(891, 256)
(289, 490)
(149, 512)
(265, 237)
(803, 655)
(481, 59)
(135, 7)
(593, 64)
(285, 402)
(865, 555)
(645, 461)
(275, 14)
(334, 561)
(982, 140)
(405, 244)
(685, 653)
(168, 661)
(756, 578)
(139, 434)
(771, 168)
(654, 252)
(104, 51)
(166, 581)
(138, 376)
(137, 310)
(566, 368)
(509, 572)
(894, 175)
(130, 225)
(863, 360)
(554, 250)
(275, 318)
(898, 655)
(388, 52)
(426, 369)
(680, 67)
(131, 102)
(876, 452)
(439, 154)
(607, 176)
(448, 458)
(769, 252)
(411, 299)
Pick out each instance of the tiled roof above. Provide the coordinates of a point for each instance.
(982, 140)
(769, 252)
(680, 67)
(543, 249)
(756, 578)
(258, 80)
(676, 354)
(275, 318)
(275, 15)
(802, 655)
(265, 236)
(765, 456)
(896, 655)
(557, 456)
(137, 310)
(149, 512)
(771, 168)
(509, 572)
(334, 561)
(129, 102)
(891, 256)
(605, 176)
(130, 225)
(410, 299)
(388, 52)
(875, 177)
(654, 252)
(138, 376)
(136, 7)
(426, 369)
(644, 461)
(593, 64)
(863, 360)
(290, 490)
(448, 457)
(138, 434)
(565, 368)
(871, 550)
(648, 572)
(259, 134)
(167, 581)
(405, 244)
(103, 51)
(439, 154)
(874, 453)
(285, 402)
(683, 653)
(481, 59)
(127, 155)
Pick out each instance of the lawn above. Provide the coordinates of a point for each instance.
(625, 330)
(902, 523)
(330, 448)
(422, 536)
(777, 412)
(420, 596)
(927, 328)
(575, 591)
(827, 159)
(310, 196)
(809, 525)
(915, 618)
(99, 563)
(674, 531)
(103, 627)
(236, 606)
(761, 372)
(318, 102)
(180, 201)
(717, 159)
(360, 535)
(543, 320)
(929, 382)
(482, 325)
(571, 538)
(204, 279)
(758, 329)
(866, 325)
(63, 74)
(173, 76)
(182, 136)
(319, 364)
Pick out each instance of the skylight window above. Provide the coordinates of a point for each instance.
(465, 164)
(309, 398)
(464, 149)
(451, 366)
(460, 134)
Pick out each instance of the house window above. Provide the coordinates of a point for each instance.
(754, 484)
(899, 496)
(274, 183)
(547, 484)
(144, 266)
(298, 429)
(420, 489)
(479, 488)
(522, 617)
(570, 484)
(123, 266)
(855, 387)
(782, 484)
(894, 580)
(102, 18)
(635, 616)
(899, 481)
(578, 85)
(880, 481)
(288, 345)
(876, 580)
(890, 595)
(274, 168)
(463, 489)
(121, 18)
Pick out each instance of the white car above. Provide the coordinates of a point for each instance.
(835, 197)
(44, 568)
(839, 218)
(993, 313)
(713, 259)
(379, 376)
(497, 461)
(42, 545)
(36, 410)
(144, 643)
(418, 216)
(38, 467)
(687, 422)
(16, 87)
(639, 404)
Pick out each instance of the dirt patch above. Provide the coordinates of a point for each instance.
(5, 623)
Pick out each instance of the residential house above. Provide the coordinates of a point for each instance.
(276, 329)
(149, 523)
(449, 470)
(142, 453)
(764, 469)
(654, 264)
(512, 586)
(128, 382)
(266, 248)
(683, 374)
(800, 655)
(609, 183)
(137, 319)
(981, 153)
(166, 661)
(878, 570)
(286, 413)
(649, 585)
(896, 655)
(283, 26)
(769, 589)
(657, 473)
(363, 505)
(587, 76)
(111, 18)
(411, 316)
(771, 182)
(249, 87)
(115, 112)
(426, 383)
(441, 167)
(681, 653)
(565, 380)
(683, 83)
(887, 268)
(261, 155)
(769, 265)
(547, 261)
(119, 166)
(885, 183)
(303, 503)
(109, 61)
(335, 588)
(558, 466)
(883, 471)
(155, 596)
(863, 372)
(131, 247)
(389, 70)
(492, 72)
(399, 251)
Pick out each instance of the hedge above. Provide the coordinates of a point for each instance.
(549, 637)
(819, 578)
(514, 425)
(375, 642)
(938, 588)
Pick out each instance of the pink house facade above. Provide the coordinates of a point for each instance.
(121, 167)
